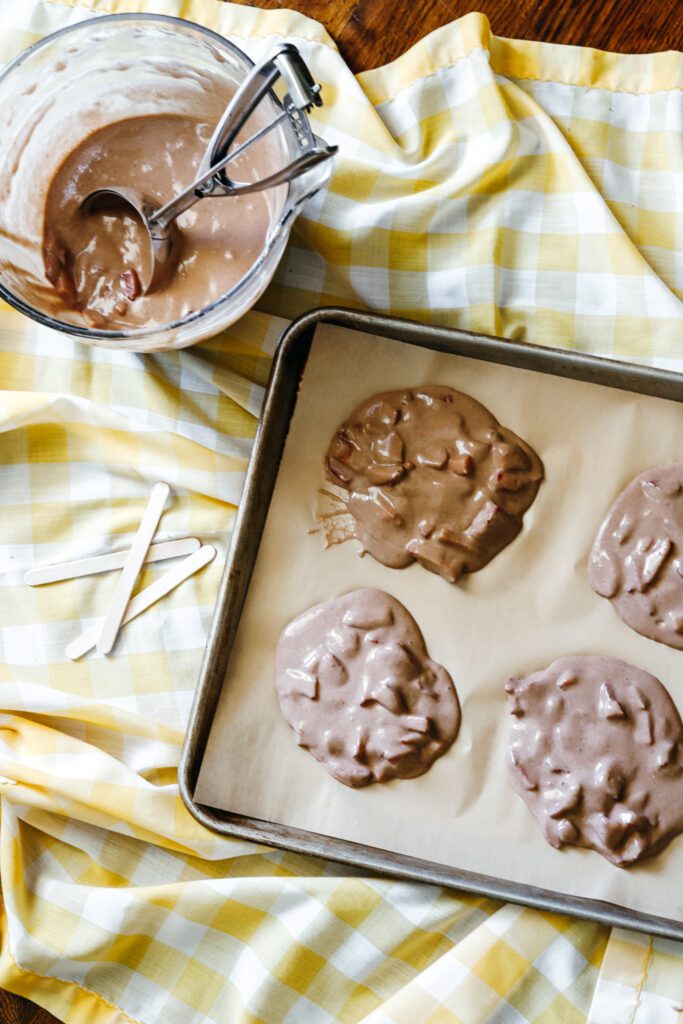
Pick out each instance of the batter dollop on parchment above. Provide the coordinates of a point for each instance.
(431, 476)
(358, 688)
(596, 752)
(637, 558)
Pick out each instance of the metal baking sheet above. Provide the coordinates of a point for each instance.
(280, 402)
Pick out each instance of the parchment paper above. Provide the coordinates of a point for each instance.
(532, 604)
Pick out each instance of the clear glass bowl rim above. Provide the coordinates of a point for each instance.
(141, 332)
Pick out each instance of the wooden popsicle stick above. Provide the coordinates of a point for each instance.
(164, 585)
(131, 570)
(105, 563)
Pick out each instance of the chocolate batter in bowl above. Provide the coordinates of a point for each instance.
(220, 239)
(134, 98)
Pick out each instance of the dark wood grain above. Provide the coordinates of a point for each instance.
(15, 1010)
(372, 32)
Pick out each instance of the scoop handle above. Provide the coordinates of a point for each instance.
(303, 92)
(285, 61)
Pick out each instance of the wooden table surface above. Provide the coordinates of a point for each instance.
(370, 33)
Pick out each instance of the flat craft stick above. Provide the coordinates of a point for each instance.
(164, 585)
(131, 569)
(105, 563)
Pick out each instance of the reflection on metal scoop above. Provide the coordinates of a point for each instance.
(154, 271)
(159, 223)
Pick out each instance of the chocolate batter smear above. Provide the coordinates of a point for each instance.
(358, 688)
(637, 558)
(596, 753)
(95, 261)
(432, 477)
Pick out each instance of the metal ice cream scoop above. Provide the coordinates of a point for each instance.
(302, 93)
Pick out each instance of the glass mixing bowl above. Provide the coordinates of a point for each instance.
(96, 73)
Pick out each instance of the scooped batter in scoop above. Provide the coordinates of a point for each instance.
(95, 261)
(434, 478)
(637, 558)
(596, 753)
(359, 689)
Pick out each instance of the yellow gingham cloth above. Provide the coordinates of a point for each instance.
(515, 188)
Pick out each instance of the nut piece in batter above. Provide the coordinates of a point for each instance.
(637, 557)
(358, 688)
(595, 753)
(432, 477)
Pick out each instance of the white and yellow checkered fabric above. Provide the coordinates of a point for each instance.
(515, 188)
